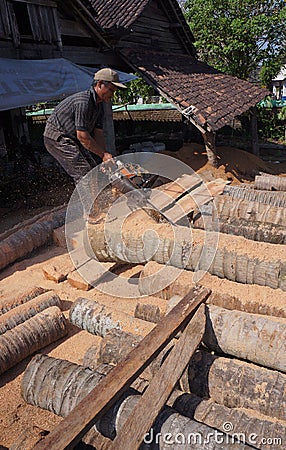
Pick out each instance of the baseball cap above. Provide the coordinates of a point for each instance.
(109, 75)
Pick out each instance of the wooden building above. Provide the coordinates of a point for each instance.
(150, 37)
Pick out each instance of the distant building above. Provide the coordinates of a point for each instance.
(279, 85)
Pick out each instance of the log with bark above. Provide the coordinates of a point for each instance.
(35, 333)
(252, 220)
(270, 182)
(236, 384)
(114, 246)
(27, 310)
(24, 241)
(273, 198)
(245, 297)
(59, 396)
(248, 425)
(12, 301)
(99, 319)
(47, 384)
(114, 348)
(254, 337)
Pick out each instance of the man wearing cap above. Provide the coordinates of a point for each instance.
(74, 132)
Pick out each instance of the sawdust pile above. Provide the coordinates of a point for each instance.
(235, 165)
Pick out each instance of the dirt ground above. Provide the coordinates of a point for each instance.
(16, 417)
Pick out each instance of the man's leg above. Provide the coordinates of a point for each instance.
(77, 163)
(69, 156)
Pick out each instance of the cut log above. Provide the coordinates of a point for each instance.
(116, 346)
(99, 319)
(11, 302)
(41, 387)
(248, 298)
(27, 310)
(236, 384)
(225, 263)
(139, 422)
(243, 423)
(150, 313)
(22, 242)
(116, 382)
(249, 194)
(270, 182)
(252, 220)
(256, 338)
(35, 333)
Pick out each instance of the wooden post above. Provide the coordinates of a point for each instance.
(104, 395)
(209, 140)
(254, 131)
(152, 401)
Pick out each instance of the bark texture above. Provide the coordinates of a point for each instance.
(256, 338)
(43, 387)
(246, 192)
(35, 333)
(236, 384)
(99, 319)
(27, 310)
(23, 241)
(9, 303)
(220, 262)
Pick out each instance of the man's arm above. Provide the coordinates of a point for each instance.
(96, 146)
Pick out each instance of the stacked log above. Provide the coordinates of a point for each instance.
(23, 241)
(42, 386)
(27, 310)
(33, 334)
(270, 182)
(11, 302)
(252, 220)
(246, 192)
(252, 299)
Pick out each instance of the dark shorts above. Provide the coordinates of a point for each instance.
(75, 159)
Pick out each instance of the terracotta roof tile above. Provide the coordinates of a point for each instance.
(216, 97)
(119, 13)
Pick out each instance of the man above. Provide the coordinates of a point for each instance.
(73, 133)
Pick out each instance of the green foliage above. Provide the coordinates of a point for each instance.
(136, 88)
(271, 123)
(237, 36)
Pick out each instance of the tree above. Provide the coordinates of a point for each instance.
(238, 36)
(136, 88)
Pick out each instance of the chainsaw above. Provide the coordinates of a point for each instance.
(137, 182)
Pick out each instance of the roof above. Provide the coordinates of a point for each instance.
(210, 97)
(119, 13)
(159, 112)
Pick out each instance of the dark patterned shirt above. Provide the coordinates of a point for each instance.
(79, 111)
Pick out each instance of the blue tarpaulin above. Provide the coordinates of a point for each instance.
(27, 82)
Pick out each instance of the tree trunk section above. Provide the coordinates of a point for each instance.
(35, 333)
(247, 336)
(236, 384)
(209, 140)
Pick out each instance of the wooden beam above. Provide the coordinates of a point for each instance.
(69, 432)
(130, 436)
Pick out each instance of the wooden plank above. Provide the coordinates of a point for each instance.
(198, 197)
(154, 398)
(165, 197)
(71, 429)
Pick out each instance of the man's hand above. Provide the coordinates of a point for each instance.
(107, 157)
